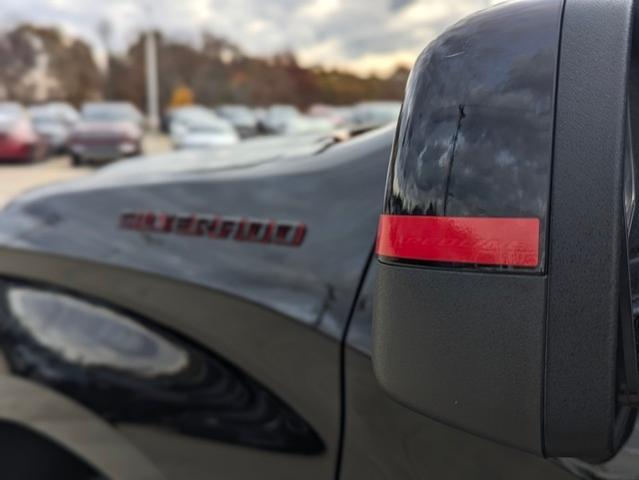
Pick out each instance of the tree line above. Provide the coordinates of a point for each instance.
(41, 63)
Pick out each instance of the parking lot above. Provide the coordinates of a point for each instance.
(17, 178)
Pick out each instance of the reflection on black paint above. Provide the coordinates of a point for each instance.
(128, 372)
(475, 136)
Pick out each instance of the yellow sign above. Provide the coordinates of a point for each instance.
(181, 97)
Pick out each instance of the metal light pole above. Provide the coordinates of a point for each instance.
(151, 68)
(152, 81)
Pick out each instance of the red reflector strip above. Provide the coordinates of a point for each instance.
(474, 240)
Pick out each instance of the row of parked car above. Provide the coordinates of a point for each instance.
(197, 126)
(103, 131)
(100, 131)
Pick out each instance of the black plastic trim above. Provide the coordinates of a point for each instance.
(424, 337)
(582, 326)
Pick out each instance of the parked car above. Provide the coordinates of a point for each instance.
(304, 124)
(203, 131)
(339, 116)
(19, 141)
(241, 117)
(276, 117)
(106, 131)
(375, 114)
(300, 308)
(260, 115)
(175, 117)
(54, 122)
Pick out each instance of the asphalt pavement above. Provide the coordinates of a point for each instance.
(17, 178)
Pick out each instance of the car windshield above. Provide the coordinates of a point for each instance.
(10, 110)
(108, 113)
(194, 110)
(283, 112)
(203, 125)
(41, 116)
(9, 116)
(44, 120)
(237, 113)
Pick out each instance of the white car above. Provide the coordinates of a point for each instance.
(203, 131)
(54, 122)
(276, 118)
(376, 114)
(303, 124)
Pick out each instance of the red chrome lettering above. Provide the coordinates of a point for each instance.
(250, 230)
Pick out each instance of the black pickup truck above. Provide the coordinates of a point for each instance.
(249, 314)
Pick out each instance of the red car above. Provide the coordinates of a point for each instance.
(18, 139)
(106, 131)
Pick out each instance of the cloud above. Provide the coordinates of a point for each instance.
(363, 35)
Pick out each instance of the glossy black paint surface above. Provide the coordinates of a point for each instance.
(475, 134)
(334, 190)
(129, 371)
(277, 313)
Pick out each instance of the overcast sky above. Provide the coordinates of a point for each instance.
(361, 35)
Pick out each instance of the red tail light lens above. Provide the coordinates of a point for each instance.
(512, 242)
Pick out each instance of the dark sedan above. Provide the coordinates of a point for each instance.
(106, 131)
